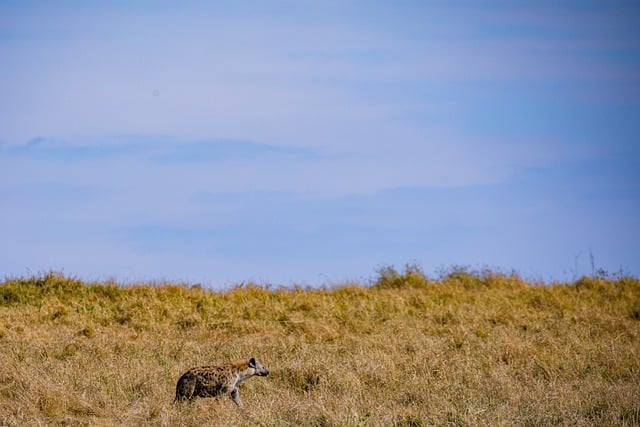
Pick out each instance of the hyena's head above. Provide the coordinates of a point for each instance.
(258, 368)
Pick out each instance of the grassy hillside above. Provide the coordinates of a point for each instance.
(466, 349)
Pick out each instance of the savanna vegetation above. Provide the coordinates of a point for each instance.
(466, 348)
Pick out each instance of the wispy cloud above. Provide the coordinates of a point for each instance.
(148, 148)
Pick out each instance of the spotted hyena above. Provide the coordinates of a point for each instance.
(217, 380)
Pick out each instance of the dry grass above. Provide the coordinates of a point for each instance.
(468, 349)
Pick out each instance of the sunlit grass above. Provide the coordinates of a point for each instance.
(467, 348)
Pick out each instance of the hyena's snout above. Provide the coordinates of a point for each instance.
(262, 372)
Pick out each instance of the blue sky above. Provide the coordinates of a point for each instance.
(313, 142)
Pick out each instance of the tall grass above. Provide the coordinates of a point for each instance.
(464, 349)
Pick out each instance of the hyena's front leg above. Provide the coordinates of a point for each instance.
(235, 395)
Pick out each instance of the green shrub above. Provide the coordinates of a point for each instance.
(390, 278)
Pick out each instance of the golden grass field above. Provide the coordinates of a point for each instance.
(465, 349)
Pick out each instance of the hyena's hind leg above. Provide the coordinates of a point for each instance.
(185, 388)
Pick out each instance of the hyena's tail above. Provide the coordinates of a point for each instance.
(184, 388)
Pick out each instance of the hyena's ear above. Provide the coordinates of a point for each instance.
(252, 363)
